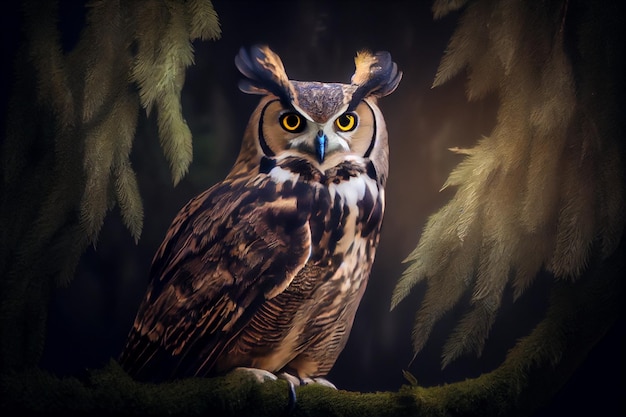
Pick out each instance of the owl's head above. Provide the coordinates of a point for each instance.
(324, 123)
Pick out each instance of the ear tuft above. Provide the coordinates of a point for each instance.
(264, 72)
(375, 75)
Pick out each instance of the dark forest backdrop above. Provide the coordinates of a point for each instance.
(89, 320)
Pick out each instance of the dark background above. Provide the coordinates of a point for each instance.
(317, 40)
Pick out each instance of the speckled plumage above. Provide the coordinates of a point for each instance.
(266, 269)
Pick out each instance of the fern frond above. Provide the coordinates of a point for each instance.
(441, 296)
(576, 224)
(463, 45)
(483, 76)
(104, 56)
(107, 145)
(506, 27)
(175, 138)
(45, 52)
(430, 259)
(443, 7)
(147, 66)
(528, 258)
(126, 186)
(99, 149)
(159, 70)
(64, 253)
(471, 332)
(204, 22)
(128, 197)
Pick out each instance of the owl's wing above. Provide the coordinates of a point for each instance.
(230, 249)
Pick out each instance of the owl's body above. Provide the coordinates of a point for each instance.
(266, 269)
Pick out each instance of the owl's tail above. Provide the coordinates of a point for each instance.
(545, 191)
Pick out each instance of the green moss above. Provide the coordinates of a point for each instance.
(111, 391)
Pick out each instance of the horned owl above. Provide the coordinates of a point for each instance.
(266, 269)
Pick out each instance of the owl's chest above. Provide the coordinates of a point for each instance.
(343, 204)
(343, 214)
(313, 315)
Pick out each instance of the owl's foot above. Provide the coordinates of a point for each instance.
(292, 379)
(319, 381)
(296, 381)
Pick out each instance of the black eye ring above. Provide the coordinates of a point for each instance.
(292, 122)
(347, 122)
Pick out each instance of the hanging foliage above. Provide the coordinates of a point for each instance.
(70, 130)
(545, 190)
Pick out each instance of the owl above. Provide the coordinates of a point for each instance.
(265, 270)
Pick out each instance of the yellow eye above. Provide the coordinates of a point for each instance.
(346, 122)
(292, 122)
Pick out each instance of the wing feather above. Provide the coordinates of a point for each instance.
(228, 251)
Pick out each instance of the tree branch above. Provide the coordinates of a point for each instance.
(579, 315)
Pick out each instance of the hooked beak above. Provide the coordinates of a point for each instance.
(321, 143)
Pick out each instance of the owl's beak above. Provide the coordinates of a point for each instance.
(321, 143)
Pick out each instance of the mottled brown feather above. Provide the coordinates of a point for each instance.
(226, 286)
(210, 268)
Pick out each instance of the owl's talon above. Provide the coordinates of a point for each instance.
(261, 375)
(324, 382)
(290, 378)
(319, 381)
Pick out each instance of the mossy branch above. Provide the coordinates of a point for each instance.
(579, 314)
